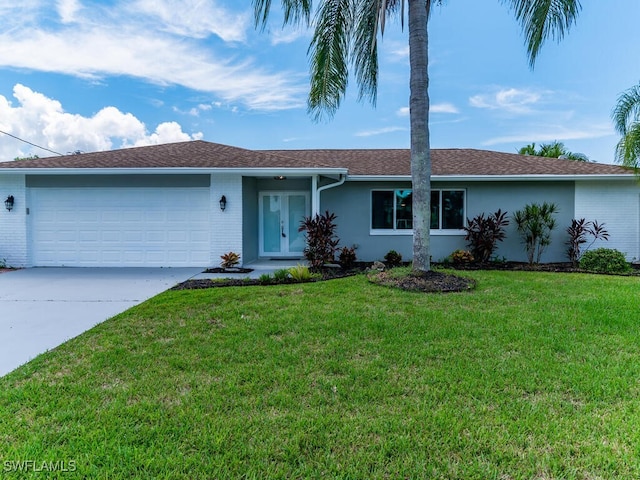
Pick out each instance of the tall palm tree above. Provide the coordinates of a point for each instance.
(346, 33)
(626, 119)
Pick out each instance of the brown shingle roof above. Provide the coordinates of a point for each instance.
(374, 162)
(451, 161)
(194, 154)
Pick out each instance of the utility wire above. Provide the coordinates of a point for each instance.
(32, 144)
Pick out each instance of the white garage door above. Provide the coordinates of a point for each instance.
(122, 226)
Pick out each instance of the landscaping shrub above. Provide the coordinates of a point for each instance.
(265, 279)
(281, 275)
(484, 233)
(300, 273)
(393, 259)
(322, 242)
(461, 257)
(229, 260)
(535, 223)
(604, 260)
(347, 258)
(578, 231)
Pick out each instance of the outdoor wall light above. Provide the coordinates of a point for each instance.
(9, 202)
(223, 203)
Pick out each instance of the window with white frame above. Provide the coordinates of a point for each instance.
(391, 210)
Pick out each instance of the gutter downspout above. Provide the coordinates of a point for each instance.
(317, 190)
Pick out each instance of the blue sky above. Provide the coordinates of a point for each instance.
(95, 75)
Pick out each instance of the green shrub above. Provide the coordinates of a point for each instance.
(300, 273)
(393, 259)
(282, 274)
(604, 260)
(535, 223)
(265, 279)
(578, 231)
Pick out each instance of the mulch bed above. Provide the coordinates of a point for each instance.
(428, 282)
(228, 270)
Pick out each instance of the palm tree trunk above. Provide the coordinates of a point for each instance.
(419, 119)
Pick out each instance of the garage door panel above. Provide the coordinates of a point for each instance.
(120, 226)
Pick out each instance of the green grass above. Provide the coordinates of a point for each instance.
(531, 375)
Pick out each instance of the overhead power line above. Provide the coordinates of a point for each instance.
(32, 144)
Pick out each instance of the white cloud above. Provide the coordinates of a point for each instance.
(550, 133)
(166, 46)
(67, 10)
(379, 131)
(287, 35)
(433, 108)
(511, 100)
(195, 18)
(443, 108)
(43, 121)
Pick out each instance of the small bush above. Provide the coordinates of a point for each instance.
(282, 274)
(229, 260)
(578, 231)
(461, 257)
(347, 258)
(393, 259)
(300, 273)
(535, 223)
(604, 260)
(321, 239)
(265, 279)
(484, 233)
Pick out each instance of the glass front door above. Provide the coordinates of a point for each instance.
(280, 217)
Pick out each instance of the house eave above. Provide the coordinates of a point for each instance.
(254, 172)
(495, 178)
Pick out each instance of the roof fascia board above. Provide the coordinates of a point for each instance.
(175, 171)
(493, 178)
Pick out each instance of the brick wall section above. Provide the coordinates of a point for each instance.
(617, 204)
(13, 224)
(226, 227)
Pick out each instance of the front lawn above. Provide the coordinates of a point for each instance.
(530, 375)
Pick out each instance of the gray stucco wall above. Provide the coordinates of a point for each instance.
(351, 203)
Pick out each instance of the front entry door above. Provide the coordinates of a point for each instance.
(280, 217)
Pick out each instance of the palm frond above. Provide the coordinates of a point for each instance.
(365, 51)
(329, 57)
(627, 109)
(628, 148)
(541, 19)
(294, 11)
(261, 9)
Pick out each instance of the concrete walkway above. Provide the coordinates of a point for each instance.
(40, 308)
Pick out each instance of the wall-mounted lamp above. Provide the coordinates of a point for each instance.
(9, 202)
(223, 203)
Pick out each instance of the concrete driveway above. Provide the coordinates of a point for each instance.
(40, 308)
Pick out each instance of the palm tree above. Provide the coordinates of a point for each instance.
(346, 33)
(554, 149)
(626, 119)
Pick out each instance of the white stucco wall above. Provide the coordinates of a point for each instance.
(13, 224)
(226, 227)
(617, 205)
